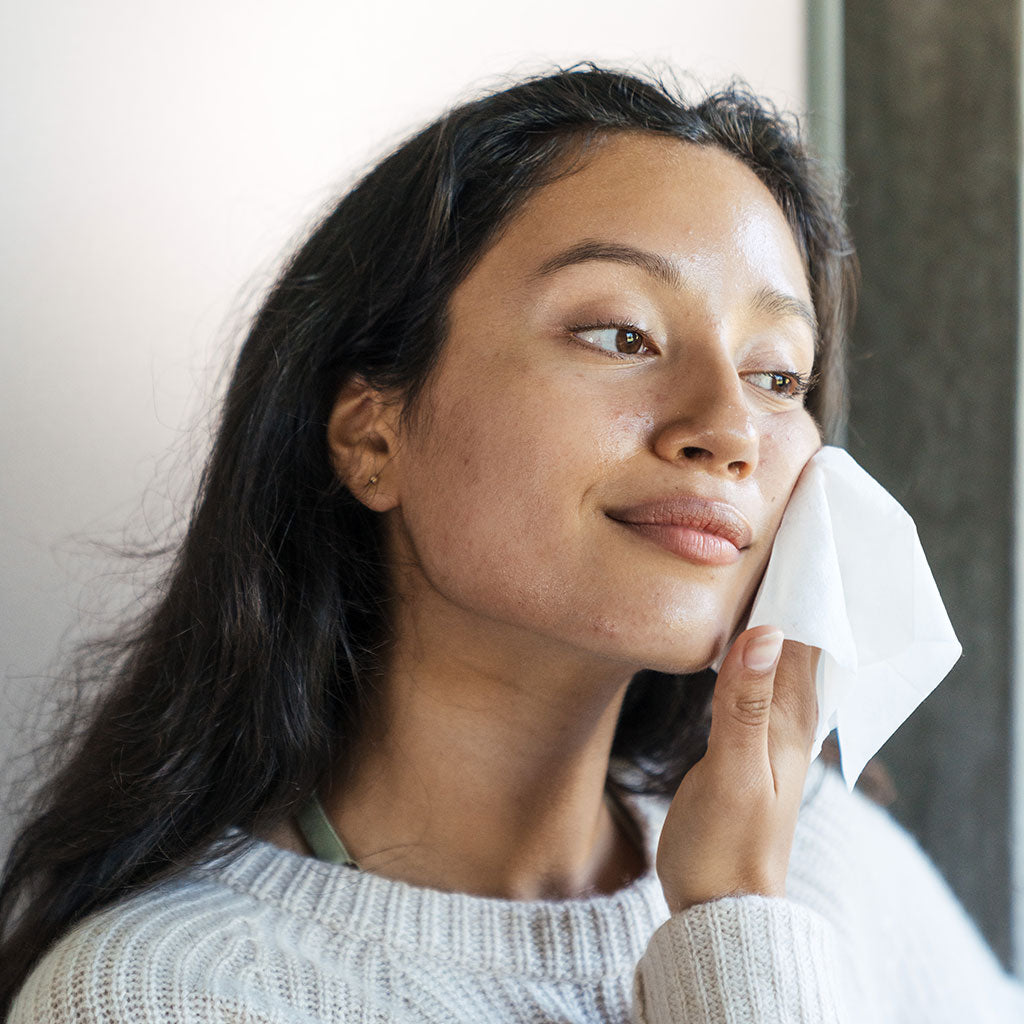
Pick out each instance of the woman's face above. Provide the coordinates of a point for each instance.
(609, 441)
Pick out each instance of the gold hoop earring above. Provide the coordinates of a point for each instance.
(372, 481)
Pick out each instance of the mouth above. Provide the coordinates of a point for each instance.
(696, 529)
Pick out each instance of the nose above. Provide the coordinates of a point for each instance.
(711, 425)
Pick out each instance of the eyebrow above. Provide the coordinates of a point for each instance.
(775, 303)
(768, 300)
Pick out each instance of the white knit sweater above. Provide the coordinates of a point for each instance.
(868, 932)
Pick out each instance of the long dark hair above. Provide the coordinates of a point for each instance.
(256, 663)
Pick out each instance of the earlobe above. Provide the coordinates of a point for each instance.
(362, 439)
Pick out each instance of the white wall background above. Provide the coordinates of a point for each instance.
(155, 160)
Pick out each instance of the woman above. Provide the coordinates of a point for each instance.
(497, 476)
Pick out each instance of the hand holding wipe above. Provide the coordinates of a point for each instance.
(730, 827)
(847, 575)
(847, 631)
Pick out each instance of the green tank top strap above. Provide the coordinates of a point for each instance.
(320, 835)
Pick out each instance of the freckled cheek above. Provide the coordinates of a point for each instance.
(507, 470)
(786, 446)
(544, 434)
(494, 475)
(620, 432)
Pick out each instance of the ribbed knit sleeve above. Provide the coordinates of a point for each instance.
(744, 960)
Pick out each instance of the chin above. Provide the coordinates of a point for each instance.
(678, 667)
(675, 635)
(695, 655)
(683, 630)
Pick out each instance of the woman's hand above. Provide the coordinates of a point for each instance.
(730, 827)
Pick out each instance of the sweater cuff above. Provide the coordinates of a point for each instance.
(739, 959)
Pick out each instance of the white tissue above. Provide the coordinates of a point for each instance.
(847, 575)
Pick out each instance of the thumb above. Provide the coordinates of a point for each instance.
(742, 701)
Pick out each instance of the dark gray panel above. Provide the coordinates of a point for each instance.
(931, 145)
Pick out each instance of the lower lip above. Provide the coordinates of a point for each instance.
(693, 545)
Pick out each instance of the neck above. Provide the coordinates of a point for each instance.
(488, 780)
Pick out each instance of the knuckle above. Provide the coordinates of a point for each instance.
(752, 709)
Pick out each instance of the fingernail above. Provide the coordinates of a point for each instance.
(763, 651)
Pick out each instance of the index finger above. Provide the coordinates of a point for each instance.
(794, 717)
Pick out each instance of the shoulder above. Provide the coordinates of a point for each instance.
(901, 926)
(845, 844)
(849, 834)
(182, 951)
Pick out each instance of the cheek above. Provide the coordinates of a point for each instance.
(498, 498)
(495, 470)
(526, 435)
(786, 446)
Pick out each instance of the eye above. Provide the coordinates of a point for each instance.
(785, 383)
(615, 339)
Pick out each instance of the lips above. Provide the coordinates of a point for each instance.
(698, 529)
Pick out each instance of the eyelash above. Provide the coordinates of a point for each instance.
(800, 383)
(611, 325)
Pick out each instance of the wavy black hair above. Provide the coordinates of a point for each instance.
(255, 664)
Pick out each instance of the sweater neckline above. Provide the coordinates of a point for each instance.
(579, 938)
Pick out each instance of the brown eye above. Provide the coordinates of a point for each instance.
(786, 385)
(628, 342)
(624, 341)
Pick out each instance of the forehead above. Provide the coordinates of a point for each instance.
(698, 206)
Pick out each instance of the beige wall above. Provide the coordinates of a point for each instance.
(156, 159)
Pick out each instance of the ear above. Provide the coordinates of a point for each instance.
(362, 437)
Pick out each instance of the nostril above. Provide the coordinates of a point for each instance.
(692, 452)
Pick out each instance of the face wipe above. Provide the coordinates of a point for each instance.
(847, 575)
